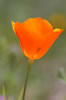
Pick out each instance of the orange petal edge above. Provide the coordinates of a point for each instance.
(13, 25)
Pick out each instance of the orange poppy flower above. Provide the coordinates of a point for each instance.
(36, 36)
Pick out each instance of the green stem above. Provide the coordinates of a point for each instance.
(27, 75)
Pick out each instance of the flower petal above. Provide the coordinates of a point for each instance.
(13, 25)
(48, 42)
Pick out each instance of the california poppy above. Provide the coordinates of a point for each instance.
(36, 36)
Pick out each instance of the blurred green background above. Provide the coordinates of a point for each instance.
(47, 71)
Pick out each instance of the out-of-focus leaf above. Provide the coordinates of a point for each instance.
(58, 20)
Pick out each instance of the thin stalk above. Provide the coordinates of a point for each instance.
(27, 75)
(4, 94)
